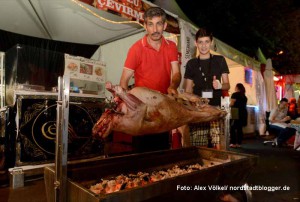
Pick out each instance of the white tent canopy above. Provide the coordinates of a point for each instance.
(63, 20)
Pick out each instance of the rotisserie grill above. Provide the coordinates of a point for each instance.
(221, 168)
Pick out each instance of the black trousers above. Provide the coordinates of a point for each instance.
(285, 134)
(236, 131)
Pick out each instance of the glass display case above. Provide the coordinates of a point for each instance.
(30, 91)
(37, 70)
(32, 69)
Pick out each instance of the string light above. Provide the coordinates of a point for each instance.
(172, 36)
(280, 52)
(104, 19)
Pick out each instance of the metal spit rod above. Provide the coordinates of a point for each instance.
(226, 129)
(2, 80)
(61, 148)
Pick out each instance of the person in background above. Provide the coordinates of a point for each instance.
(292, 108)
(238, 101)
(206, 76)
(153, 61)
(279, 120)
(278, 117)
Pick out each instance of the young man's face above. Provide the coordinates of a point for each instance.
(283, 104)
(155, 27)
(203, 44)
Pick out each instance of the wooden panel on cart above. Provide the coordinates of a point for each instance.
(226, 168)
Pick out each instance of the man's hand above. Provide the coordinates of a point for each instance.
(172, 91)
(216, 83)
(287, 118)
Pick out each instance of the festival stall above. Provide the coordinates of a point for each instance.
(31, 77)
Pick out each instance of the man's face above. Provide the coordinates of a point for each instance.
(283, 104)
(155, 28)
(203, 44)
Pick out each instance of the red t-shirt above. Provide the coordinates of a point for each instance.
(152, 68)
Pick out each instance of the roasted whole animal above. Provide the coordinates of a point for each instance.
(144, 111)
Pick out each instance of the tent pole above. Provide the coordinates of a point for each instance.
(42, 23)
(61, 149)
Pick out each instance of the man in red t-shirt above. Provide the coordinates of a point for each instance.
(153, 60)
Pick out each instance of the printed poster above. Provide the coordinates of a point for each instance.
(188, 50)
(85, 69)
(87, 75)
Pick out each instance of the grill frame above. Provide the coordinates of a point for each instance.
(230, 169)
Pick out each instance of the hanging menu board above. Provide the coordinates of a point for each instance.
(87, 76)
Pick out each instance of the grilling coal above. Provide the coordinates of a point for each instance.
(122, 182)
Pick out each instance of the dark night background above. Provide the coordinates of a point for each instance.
(246, 25)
